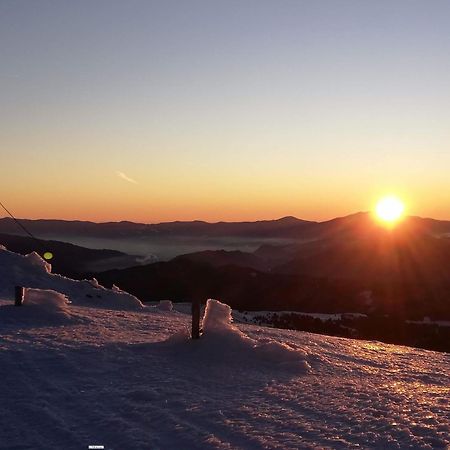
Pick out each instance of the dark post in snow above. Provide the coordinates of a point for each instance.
(19, 292)
(195, 319)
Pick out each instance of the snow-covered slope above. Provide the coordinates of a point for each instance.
(105, 370)
(133, 380)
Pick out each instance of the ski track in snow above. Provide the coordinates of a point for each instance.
(111, 378)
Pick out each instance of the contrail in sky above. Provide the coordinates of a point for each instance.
(125, 177)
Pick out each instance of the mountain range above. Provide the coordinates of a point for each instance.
(297, 265)
(284, 228)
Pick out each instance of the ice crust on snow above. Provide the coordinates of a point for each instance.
(31, 271)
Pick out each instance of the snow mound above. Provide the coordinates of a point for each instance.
(35, 260)
(46, 299)
(96, 284)
(84, 293)
(223, 341)
(217, 318)
(40, 306)
(31, 271)
(165, 305)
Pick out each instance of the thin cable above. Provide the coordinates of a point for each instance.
(18, 223)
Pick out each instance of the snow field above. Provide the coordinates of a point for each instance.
(106, 370)
(133, 380)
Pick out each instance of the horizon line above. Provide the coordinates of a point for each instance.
(214, 222)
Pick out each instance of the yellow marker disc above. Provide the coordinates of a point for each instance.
(48, 255)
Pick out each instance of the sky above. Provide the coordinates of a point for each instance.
(223, 110)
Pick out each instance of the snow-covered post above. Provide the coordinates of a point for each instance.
(195, 319)
(19, 292)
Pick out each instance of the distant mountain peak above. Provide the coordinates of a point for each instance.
(289, 219)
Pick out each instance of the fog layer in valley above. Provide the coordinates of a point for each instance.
(164, 249)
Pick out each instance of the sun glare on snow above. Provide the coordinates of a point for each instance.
(389, 209)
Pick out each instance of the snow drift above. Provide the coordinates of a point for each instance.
(31, 271)
(40, 306)
(45, 299)
(165, 305)
(222, 341)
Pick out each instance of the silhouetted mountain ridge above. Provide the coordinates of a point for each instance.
(288, 227)
(406, 269)
(280, 228)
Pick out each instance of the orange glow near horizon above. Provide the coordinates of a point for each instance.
(109, 199)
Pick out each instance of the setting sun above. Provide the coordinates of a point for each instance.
(389, 209)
